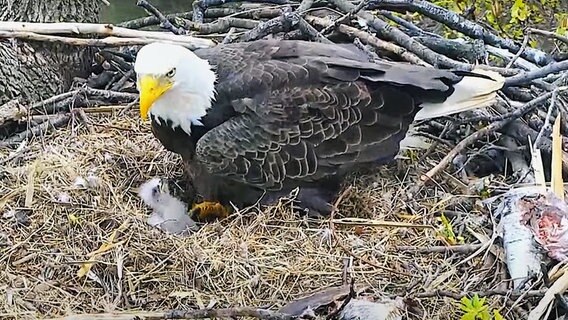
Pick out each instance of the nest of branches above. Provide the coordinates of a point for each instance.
(73, 232)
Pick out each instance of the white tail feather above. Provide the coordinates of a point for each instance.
(469, 94)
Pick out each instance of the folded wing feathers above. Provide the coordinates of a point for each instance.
(470, 93)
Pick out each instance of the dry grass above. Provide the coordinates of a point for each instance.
(252, 259)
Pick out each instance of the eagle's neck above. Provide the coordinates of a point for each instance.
(175, 139)
(181, 111)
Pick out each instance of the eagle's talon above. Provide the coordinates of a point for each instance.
(208, 211)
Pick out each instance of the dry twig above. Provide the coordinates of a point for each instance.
(192, 314)
(548, 34)
(467, 248)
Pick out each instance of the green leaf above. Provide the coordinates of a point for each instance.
(497, 315)
(468, 316)
(466, 304)
(519, 11)
(474, 308)
(562, 20)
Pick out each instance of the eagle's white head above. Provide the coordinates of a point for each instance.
(174, 84)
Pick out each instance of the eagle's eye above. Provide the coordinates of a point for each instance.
(171, 73)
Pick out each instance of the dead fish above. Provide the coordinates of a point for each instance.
(548, 218)
(534, 228)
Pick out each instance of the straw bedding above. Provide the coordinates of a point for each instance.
(70, 190)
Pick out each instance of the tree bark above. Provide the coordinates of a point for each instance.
(33, 71)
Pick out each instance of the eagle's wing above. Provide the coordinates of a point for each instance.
(305, 110)
(302, 114)
(305, 133)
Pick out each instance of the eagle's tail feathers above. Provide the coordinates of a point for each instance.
(469, 94)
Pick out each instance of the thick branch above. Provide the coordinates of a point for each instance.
(462, 25)
(164, 22)
(408, 25)
(311, 32)
(472, 52)
(222, 25)
(199, 6)
(101, 30)
(152, 20)
(369, 39)
(105, 42)
(527, 77)
(285, 22)
(389, 32)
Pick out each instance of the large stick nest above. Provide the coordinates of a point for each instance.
(70, 168)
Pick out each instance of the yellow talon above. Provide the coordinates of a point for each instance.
(208, 211)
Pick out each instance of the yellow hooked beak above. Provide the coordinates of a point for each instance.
(151, 88)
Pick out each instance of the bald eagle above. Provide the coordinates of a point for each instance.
(253, 121)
